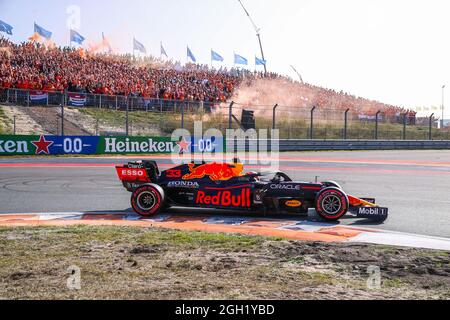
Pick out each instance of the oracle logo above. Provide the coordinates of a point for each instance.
(285, 186)
(225, 198)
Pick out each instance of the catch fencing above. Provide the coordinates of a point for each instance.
(71, 113)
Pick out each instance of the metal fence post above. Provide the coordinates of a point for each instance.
(28, 98)
(311, 128)
(346, 123)
(273, 117)
(62, 119)
(117, 102)
(430, 126)
(404, 126)
(126, 118)
(100, 102)
(7, 95)
(182, 115)
(376, 124)
(62, 112)
(230, 115)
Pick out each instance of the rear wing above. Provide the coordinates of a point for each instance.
(127, 174)
(134, 174)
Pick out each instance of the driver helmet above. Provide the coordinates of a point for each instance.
(253, 173)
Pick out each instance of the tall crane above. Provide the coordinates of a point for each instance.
(257, 34)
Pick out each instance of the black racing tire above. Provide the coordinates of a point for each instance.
(331, 203)
(148, 200)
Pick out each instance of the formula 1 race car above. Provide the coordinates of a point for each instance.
(225, 186)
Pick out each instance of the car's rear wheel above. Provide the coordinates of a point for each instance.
(331, 204)
(148, 200)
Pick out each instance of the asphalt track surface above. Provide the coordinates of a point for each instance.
(415, 185)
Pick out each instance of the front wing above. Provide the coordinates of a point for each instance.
(366, 208)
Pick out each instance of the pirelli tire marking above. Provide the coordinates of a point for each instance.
(147, 200)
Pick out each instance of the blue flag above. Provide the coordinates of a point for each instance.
(4, 27)
(190, 55)
(138, 46)
(240, 59)
(260, 62)
(76, 37)
(215, 56)
(42, 32)
(163, 52)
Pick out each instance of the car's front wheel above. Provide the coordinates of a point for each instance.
(331, 204)
(147, 200)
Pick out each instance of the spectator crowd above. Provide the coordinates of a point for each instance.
(328, 98)
(31, 65)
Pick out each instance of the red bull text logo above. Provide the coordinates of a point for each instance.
(225, 198)
(215, 171)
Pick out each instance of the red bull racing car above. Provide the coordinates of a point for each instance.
(226, 186)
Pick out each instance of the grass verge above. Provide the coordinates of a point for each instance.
(135, 263)
(5, 125)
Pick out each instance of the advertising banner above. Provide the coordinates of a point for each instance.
(38, 97)
(113, 145)
(90, 145)
(76, 99)
(48, 145)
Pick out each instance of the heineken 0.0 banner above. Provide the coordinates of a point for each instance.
(57, 145)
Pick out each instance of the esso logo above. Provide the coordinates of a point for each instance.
(132, 173)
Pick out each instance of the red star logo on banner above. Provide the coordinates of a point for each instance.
(42, 145)
(184, 145)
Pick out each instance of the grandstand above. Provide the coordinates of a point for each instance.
(31, 65)
(114, 83)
